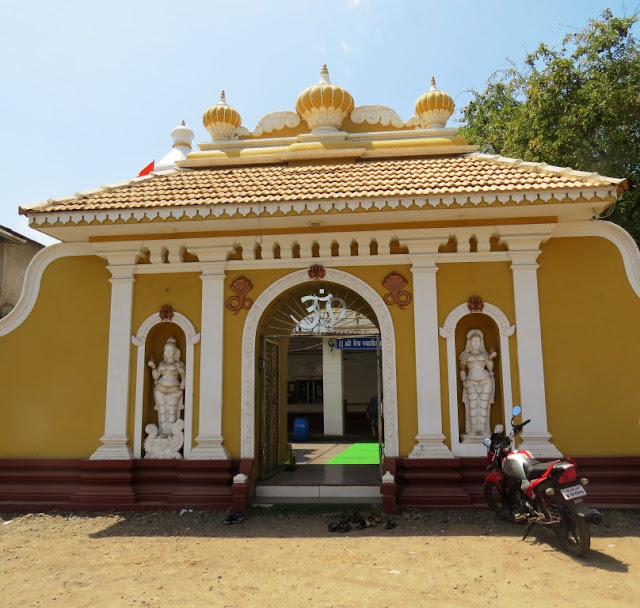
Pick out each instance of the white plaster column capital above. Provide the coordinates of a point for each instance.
(119, 254)
(211, 252)
(121, 274)
(424, 244)
(524, 260)
(212, 271)
(423, 263)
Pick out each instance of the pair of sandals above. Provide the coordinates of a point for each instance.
(234, 518)
(350, 521)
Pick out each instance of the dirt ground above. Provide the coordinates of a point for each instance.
(286, 557)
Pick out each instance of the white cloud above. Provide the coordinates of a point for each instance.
(345, 46)
(356, 4)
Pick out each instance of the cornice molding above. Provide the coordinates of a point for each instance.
(599, 195)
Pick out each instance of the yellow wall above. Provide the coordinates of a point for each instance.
(590, 332)
(54, 365)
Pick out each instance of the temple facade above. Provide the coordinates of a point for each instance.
(160, 354)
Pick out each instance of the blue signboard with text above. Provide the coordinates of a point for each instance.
(361, 343)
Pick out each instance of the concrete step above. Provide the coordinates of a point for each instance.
(317, 494)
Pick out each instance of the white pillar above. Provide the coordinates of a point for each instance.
(523, 251)
(210, 440)
(429, 401)
(332, 389)
(115, 441)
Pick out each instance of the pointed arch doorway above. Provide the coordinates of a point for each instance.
(281, 320)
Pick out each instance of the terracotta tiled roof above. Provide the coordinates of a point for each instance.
(436, 176)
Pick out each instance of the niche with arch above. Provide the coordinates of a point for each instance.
(491, 340)
(154, 346)
(150, 340)
(497, 330)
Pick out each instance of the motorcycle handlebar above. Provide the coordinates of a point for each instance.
(518, 427)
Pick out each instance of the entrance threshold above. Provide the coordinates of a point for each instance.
(323, 483)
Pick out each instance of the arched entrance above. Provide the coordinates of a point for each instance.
(252, 346)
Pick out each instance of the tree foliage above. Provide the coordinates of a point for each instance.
(577, 106)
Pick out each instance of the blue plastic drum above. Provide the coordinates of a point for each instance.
(300, 429)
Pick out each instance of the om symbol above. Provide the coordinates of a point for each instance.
(317, 320)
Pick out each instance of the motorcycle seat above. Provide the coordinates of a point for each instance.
(534, 469)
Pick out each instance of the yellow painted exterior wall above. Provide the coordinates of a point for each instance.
(590, 331)
(54, 365)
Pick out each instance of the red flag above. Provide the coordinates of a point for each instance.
(148, 169)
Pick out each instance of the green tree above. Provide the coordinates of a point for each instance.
(577, 106)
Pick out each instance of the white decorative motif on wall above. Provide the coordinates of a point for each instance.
(276, 121)
(374, 115)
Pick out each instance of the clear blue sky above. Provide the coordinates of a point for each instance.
(90, 91)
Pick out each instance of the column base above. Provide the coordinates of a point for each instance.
(539, 446)
(209, 448)
(113, 448)
(430, 446)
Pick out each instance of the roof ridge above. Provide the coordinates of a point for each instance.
(537, 166)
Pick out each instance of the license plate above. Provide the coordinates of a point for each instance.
(573, 492)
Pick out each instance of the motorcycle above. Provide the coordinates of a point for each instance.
(519, 488)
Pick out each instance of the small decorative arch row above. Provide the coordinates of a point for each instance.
(395, 283)
(241, 287)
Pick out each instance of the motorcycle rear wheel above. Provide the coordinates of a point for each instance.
(573, 533)
(502, 502)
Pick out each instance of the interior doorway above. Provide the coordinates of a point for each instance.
(330, 373)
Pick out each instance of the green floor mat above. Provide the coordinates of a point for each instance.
(358, 453)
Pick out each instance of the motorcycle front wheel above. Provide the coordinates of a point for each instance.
(572, 532)
(503, 502)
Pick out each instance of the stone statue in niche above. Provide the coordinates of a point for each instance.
(167, 438)
(478, 383)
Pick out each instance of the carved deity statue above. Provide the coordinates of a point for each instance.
(478, 384)
(166, 439)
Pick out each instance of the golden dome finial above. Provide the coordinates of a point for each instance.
(324, 75)
(434, 108)
(324, 105)
(221, 120)
(182, 123)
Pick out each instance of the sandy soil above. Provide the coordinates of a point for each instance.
(282, 557)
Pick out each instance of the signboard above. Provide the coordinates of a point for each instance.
(308, 370)
(362, 343)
